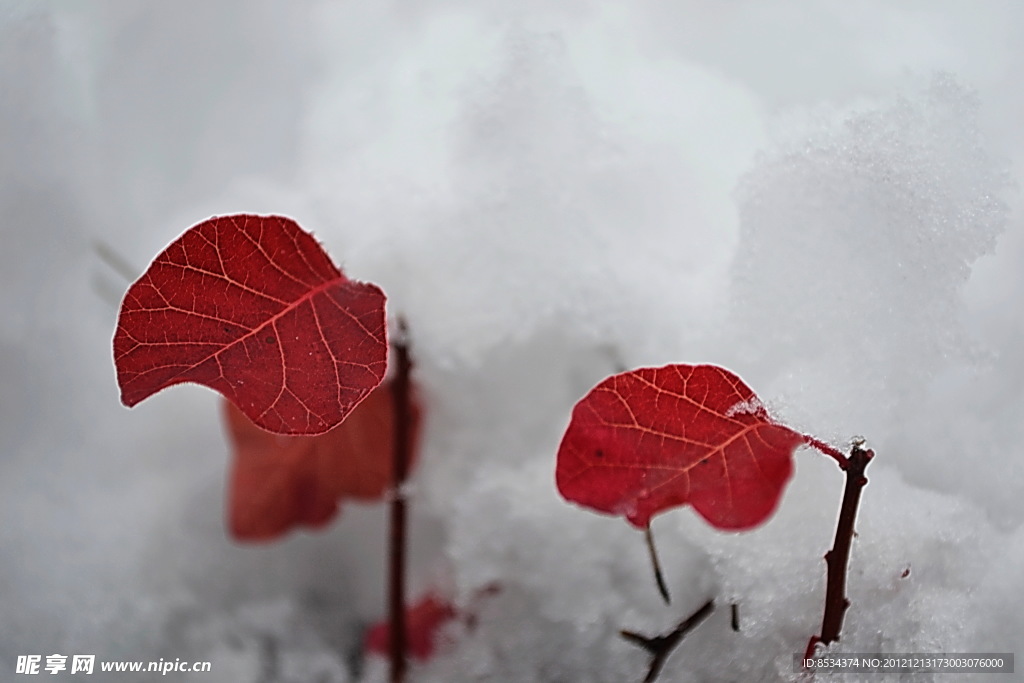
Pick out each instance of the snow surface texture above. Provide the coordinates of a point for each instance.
(820, 196)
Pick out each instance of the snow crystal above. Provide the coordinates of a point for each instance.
(752, 407)
(858, 231)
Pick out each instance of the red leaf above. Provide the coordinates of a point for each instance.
(252, 307)
(279, 482)
(422, 622)
(655, 438)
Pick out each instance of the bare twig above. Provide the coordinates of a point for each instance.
(837, 559)
(118, 263)
(659, 578)
(401, 395)
(660, 647)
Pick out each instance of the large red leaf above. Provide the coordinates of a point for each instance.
(655, 438)
(280, 482)
(252, 307)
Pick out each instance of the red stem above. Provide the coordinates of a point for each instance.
(825, 448)
(401, 456)
(837, 559)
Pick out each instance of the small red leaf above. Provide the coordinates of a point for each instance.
(422, 622)
(252, 307)
(655, 438)
(280, 482)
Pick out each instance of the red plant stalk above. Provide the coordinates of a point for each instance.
(402, 456)
(837, 559)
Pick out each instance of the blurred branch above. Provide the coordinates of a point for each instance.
(114, 260)
(403, 426)
(107, 291)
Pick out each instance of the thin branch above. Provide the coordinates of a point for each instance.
(660, 647)
(401, 456)
(659, 578)
(837, 559)
(118, 263)
(828, 450)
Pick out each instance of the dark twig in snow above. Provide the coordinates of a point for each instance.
(659, 578)
(837, 559)
(660, 647)
(402, 455)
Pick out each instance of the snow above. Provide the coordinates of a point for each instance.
(822, 197)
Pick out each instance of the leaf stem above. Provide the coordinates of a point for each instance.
(659, 577)
(837, 559)
(828, 450)
(660, 647)
(401, 457)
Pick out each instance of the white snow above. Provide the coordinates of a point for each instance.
(822, 197)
